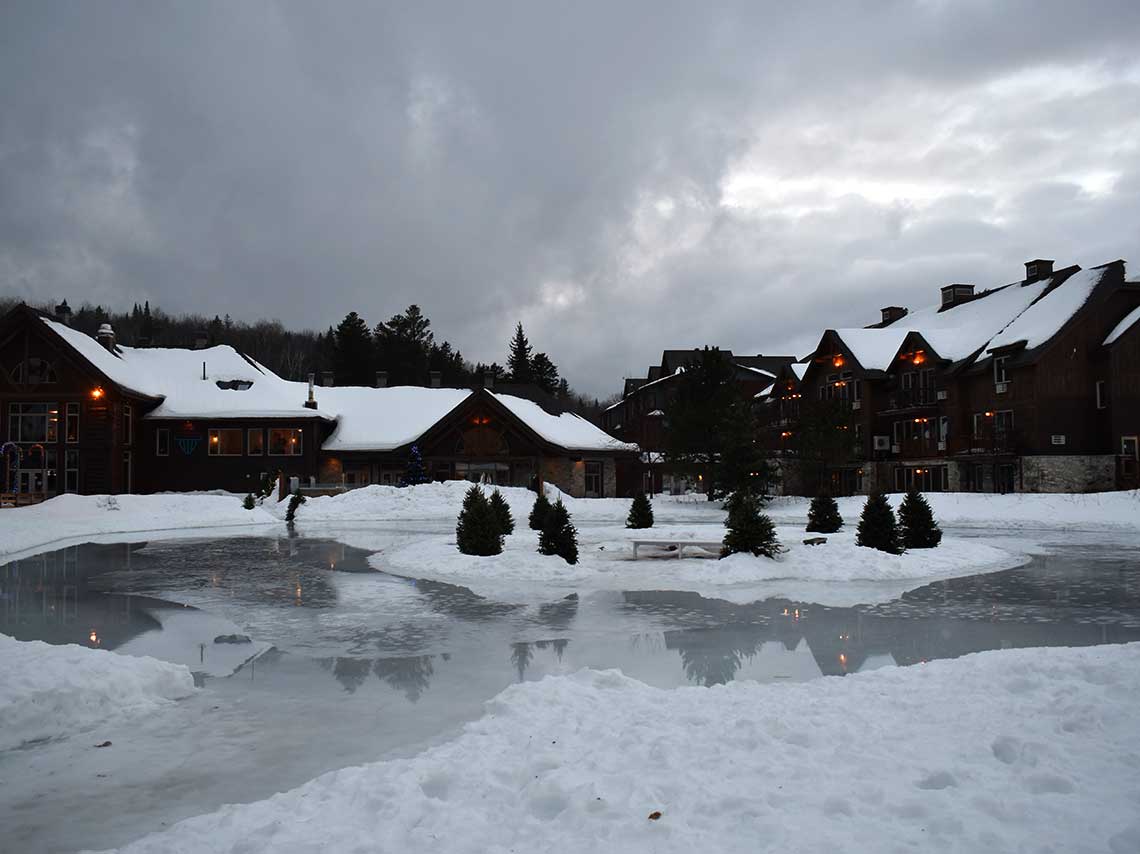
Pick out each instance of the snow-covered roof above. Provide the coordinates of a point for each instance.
(567, 430)
(176, 376)
(1127, 323)
(760, 371)
(767, 391)
(874, 349)
(367, 419)
(382, 419)
(1044, 319)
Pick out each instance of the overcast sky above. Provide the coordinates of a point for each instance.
(622, 177)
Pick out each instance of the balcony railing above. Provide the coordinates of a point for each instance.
(911, 398)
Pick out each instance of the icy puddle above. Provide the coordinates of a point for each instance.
(345, 665)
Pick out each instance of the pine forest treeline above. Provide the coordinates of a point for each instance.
(403, 346)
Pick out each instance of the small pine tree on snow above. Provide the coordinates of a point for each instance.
(415, 473)
(249, 503)
(559, 536)
(749, 530)
(877, 526)
(823, 515)
(539, 512)
(477, 529)
(502, 513)
(295, 501)
(640, 512)
(919, 530)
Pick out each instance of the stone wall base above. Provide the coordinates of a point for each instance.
(1068, 473)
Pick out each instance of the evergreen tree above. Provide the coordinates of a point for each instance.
(414, 474)
(295, 501)
(502, 513)
(248, 503)
(877, 526)
(518, 361)
(640, 512)
(539, 512)
(823, 515)
(352, 352)
(477, 530)
(563, 391)
(544, 373)
(919, 530)
(559, 536)
(749, 530)
(403, 347)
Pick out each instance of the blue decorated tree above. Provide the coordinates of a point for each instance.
(415, 472)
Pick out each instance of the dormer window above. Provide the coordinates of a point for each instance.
(1030, 271)
(33, 372)
(234, 385)
(1001, 375)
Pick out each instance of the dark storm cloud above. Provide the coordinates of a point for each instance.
(622, 177)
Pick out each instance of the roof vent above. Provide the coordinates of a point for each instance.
(327, 379)
(381, 379)
(891, 313)
(63, 313)
(311, 402)
(436, 379)
(1037, 269)
(952, 295)
(106, 336)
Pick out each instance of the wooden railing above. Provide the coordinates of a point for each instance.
(20, 499)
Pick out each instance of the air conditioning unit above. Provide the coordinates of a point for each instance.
(1001, 388)
(1058, 439)
(856, 404)
(896, 449)
(942, 445)
(882, 443)
(942, 394)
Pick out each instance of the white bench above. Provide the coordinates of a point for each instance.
(679, 545)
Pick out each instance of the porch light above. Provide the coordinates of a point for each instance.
(214, 439)
(837, 362)
(919, 357)
(96, 393)
(989, 415)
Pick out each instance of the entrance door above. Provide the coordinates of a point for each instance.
(31, 481)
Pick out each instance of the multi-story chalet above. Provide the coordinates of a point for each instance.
(641, 416)
(1032, 386)
(84, 415)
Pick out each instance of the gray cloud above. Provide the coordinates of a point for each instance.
(620, 177)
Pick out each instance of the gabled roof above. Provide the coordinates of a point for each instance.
(383, 419)
(1130, 320)
(1048, 315)
(567, 430)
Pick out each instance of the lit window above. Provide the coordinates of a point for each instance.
(225, 442)
(285, 442)
(72, 423)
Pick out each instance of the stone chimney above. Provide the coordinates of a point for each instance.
(488, 381)
(891, 313)
(106, 336)
(327, 378)
(436, 379)
(63, 313)
(381, 379)
(311, 403)
(1037, 269)
(201, 339)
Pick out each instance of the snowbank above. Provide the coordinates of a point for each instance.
(606, 563)
(999, 751)
(442, 501)
(72, 517)
(51, 691)
(1097, 511)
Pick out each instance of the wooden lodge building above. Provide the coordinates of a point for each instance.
(1033, 386)
(85, 415)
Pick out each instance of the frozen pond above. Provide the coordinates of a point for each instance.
(362, 664)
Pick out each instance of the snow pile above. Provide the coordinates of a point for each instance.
(442, 501)
(838, 572)
(52, 691)
(999, 751)
(1097, 511)
(72, 517)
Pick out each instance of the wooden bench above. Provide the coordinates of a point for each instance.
(679, 545)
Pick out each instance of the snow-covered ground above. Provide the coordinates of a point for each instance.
(1097, 511)
(55, 691)
(73, 518)
(1002, 751)
(838, 572)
